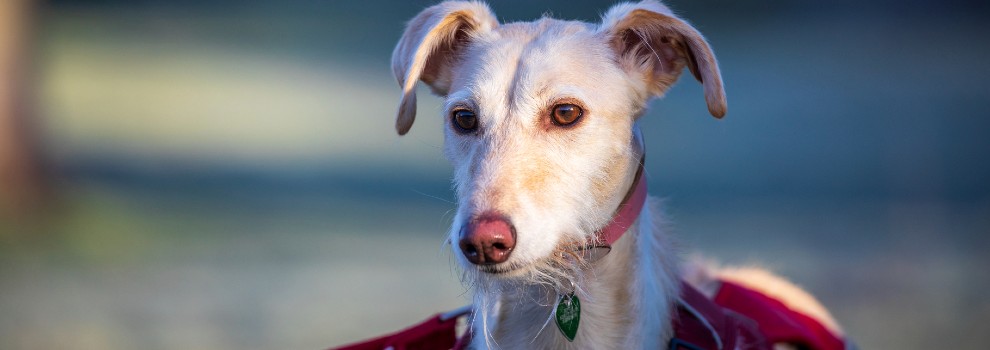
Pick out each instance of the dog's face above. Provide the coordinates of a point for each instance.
(539, 120)
(550, 149)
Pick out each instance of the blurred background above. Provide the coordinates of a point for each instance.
(225, 175)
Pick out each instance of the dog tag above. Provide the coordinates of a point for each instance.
(568, 315)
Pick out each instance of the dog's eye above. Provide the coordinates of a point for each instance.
(465, 120)
(566, 114)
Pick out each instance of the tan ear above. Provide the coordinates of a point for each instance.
(649, 40)
(431, 46)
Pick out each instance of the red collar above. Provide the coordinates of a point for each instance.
(627, 212)
(600, 243)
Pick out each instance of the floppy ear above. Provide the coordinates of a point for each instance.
(430, 46)
(651, 42)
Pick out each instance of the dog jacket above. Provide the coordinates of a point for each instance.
(737, 318)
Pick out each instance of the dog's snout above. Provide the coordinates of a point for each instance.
(488, 239)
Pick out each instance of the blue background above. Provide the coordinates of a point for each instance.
(229, 177)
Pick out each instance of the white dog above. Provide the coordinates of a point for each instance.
(552, 224)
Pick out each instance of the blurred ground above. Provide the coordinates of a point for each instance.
(230, 177)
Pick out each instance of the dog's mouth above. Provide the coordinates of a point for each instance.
(567, 257)
(503, 269)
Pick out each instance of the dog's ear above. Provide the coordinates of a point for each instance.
(430, 46)
(651, 42)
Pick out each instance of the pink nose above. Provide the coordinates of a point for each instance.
(488, 239)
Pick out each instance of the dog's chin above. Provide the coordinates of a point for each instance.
(504, 270)
(547, 272)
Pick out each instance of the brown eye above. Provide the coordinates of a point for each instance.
(464, 120)
(566, 114)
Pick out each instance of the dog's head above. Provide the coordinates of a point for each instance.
(539, 120)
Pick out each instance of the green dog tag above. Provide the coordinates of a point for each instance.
(568, 315)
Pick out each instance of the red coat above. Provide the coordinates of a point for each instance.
(738, 318)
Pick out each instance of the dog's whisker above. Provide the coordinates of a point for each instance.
(447, 214)
(545, 323)
(432, 196)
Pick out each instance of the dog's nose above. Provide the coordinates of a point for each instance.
(488, 240)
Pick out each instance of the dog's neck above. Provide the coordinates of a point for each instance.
(626, 299)
(625, 304)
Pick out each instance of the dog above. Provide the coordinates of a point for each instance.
(552, 222)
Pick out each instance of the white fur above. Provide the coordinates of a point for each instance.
(556, 185)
